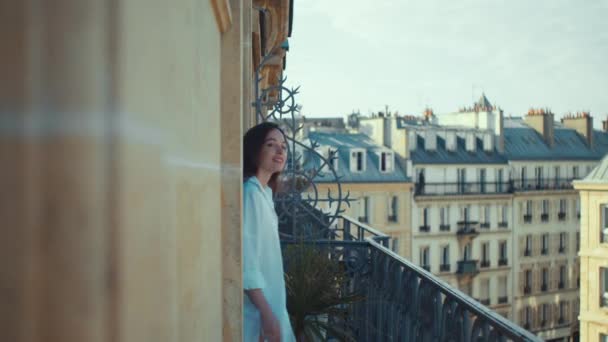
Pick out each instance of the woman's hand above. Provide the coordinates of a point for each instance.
(271, 329)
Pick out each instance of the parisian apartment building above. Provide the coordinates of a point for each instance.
(485, 202)
(593, 254)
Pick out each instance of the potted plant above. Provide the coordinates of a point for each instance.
(316, 298)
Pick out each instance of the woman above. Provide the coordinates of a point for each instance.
(265, 309)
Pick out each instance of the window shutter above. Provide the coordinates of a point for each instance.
(573, 209)
(555, 319)
(554, 277)
(549, 317)
(566, 242)
(534, 317)
(522, 246)
(522, 281)
(536, 241)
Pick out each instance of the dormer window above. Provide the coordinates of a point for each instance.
(386, 161)
(357, 160)
(331, 155)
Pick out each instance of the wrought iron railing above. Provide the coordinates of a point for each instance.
(471, 188)
(404, 302)
(542, 184)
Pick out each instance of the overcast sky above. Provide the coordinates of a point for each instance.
(365, 54)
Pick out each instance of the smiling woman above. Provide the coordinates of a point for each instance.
(265, 310)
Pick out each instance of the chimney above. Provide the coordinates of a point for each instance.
(582, 123)
(430, 140)
(542, 121)
(605, 125)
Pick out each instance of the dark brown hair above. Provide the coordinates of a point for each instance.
(252, 145)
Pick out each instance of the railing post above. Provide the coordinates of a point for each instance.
(346, 226)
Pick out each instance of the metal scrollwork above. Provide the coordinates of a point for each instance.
(298, 202)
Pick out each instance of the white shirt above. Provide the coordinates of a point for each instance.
(262, 260)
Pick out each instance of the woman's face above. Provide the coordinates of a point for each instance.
(273, 154)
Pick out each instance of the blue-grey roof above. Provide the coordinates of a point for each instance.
(599, 174)
(459, 156)
(525, 143)
(343, 142)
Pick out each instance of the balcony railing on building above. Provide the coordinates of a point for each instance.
(465, 188)
(542, 184)
(403, 301)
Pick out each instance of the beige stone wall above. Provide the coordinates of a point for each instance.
(119, 152)
(593, 255)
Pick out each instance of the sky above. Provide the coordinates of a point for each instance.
(366, 54)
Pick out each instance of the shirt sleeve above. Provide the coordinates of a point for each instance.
(252, 239)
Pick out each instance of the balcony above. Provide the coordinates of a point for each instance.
(426, 268)
(467, 267)
(561, 216)
(527, 252)
(503, 300)
(363, 219)
(503, 262)
(484, 264)
(544, 217)
(485, 302)
(542, 184)
(444, 268)
(503, 224)
(560, 285)
(472, 188)
(425, 228)
(485, 225)
(467, 228)
(561, 249)
(527, 289)
(543, 288)
(544, 251)
(444, 227)
(398, 295)
(392, 218)
(527, 218)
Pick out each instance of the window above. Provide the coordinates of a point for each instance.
(603, 338)
(425, 220)
(578, 208)
(544, 279)
(485, 260)
(545, 244)
(424, 258)
(332, 158)
(502, 290)
(445, 259)
(538, 175)
(444, 219)
(561, 215)
(523, 177)
(544, 314)
(462, 178)
(386, 161)
(364, 211)
(502, 253)
(393, 209)
(562, 277)
(562, 242)
(563, 310)
(465, 213)
(527, 317)
(499, 180)
(528, 250)
(421, 182)
(527, 281)
(575, 172)
(604, 287)
(485, 220)
(482, 180)
(528, 214)
(395, 246)
(504, 221)
(357, 160)
(604, 226)
(484, 291)
(544, 216)
(578, 241)
(556, 176)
